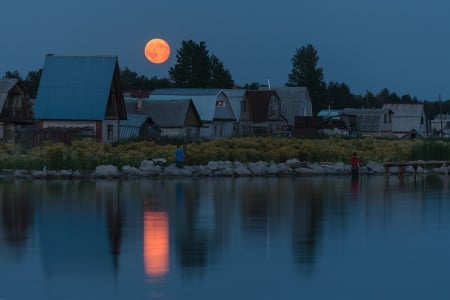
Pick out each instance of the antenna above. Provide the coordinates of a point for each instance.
(268, 82)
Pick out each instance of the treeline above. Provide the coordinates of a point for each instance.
(196, 67)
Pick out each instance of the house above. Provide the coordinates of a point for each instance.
(174, 118)
(295, 101)
(212, 105)
(440, 125)
(241, 108)
(16, 111)
(368, 122)
(79, 96)
(138, 127)
(265, 107)
(408, 120)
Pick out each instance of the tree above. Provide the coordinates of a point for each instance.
(192, 68)
(305, 72)
(195, 68)
(220, 77)
(12, 74)
(339, 95)
(32, 82)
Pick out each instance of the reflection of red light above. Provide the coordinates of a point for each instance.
(156, 243)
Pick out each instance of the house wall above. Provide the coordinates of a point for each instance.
(110, 131)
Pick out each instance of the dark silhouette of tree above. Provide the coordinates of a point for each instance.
(132, 81)
(220, 77)
(32, 82)
(339, 96)
(305, 72)
(12, 74)
(195, 68)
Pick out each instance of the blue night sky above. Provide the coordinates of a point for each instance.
(369, 45)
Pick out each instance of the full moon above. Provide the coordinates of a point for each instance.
(157, 51)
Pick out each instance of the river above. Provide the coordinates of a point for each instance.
(225, 238)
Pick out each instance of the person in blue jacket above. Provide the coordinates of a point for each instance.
(180, 155)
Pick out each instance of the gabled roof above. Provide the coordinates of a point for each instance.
(203, 99)
(295, 101)
(259, 101)
(6, 84)
(165, 113)
(77, 87)
(235, 96)
(131, 127)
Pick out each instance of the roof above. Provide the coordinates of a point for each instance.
(364, 111)
(235, 96)
(75, 87)
(203, 99)
(295, 101)
(259, 101)
(401, 110)
(6, 84)
(329, 113)
(131, 127)
(165, 113)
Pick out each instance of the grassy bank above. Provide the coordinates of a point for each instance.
(86, 154)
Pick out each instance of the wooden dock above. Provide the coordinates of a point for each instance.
(424, 164)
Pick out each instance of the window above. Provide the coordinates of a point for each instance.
(220, 102)
(110, 134)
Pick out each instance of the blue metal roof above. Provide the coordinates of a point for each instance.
(75, 87)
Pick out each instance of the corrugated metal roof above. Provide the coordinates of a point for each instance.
(75, 87)
(405, 109)
(6, 84)
(186, 92)
(295, 101)
(130, 128)
(165, 113)
(203, 99)
(235, 96)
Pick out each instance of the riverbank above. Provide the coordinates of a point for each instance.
(158, 168)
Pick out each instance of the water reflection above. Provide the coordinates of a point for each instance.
(111, 236)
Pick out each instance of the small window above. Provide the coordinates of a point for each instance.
(110, 132)
(220, 102)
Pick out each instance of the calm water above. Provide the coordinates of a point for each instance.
(288, 238)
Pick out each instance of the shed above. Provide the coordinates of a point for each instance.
(16, 111)
(174, 118)
(138, 127)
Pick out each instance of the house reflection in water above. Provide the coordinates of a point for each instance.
(156, 243)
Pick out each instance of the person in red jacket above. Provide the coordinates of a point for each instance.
(355, 163)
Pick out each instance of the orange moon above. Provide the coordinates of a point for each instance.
(157, 51)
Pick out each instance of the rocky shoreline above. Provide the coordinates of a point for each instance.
(158, 168)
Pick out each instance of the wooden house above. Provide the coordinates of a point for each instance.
(408, 120)
(295, 102)
(79, 96)
(174, 118)
(265, 107)
(368, 122)
(212, 105)
(16, 111)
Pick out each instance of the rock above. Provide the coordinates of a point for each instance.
(106, 171)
